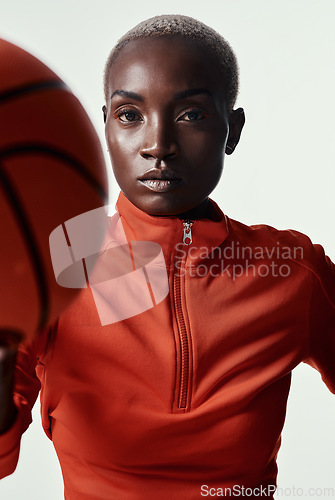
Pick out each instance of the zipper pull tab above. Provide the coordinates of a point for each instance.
(187, 239)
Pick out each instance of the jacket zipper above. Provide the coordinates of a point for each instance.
(185, 360)
(187, 238)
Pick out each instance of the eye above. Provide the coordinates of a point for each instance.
(127, 115)
(193, 115)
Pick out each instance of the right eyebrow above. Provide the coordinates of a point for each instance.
(127, 93)
(191, 92)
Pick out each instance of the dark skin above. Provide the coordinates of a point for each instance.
(168, 127)
(8, 351)
(168, 130)
(7, 367)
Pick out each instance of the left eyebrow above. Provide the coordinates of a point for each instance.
(190, 93)
(127, 93)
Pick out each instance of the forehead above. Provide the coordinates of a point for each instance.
(171, 63)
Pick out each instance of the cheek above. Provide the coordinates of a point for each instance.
(209, 143)
(117, 152)
(207, 159)
(120, 142)
(122, 153)
(206, 156)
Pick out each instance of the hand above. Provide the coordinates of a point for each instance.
(9, 340)
(8, 349)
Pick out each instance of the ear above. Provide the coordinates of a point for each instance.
(236, 122)
(104, 110)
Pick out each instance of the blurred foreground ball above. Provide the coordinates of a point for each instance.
(51, 170)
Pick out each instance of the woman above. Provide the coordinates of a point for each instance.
(185, 398)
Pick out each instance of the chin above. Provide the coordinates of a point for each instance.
(182, 211)
(158, 206)
(164, 212)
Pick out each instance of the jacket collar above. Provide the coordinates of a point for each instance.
(207, 233)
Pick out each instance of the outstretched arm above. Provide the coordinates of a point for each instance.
(19, 387)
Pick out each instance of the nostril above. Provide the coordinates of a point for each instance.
(158, 155)
(159, 150)
(146, 156)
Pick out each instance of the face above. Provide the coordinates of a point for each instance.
(167, 126)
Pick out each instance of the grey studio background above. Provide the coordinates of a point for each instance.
(281, 174)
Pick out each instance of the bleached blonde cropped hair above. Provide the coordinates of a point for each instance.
(172, 26)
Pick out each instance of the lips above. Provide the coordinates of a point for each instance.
(160, 186)
(160, 181)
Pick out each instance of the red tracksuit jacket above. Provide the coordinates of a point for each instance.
(171, 376)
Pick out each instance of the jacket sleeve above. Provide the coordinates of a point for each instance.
(322, 316)
(26, 391)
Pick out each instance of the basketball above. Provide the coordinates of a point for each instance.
(51, 170)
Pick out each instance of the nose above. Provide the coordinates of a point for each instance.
(159, 141)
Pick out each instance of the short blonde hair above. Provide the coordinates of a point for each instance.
(172, 26)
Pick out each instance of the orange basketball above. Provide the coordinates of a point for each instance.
(51, 170)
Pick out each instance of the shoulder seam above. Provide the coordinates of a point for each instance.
(318, 278)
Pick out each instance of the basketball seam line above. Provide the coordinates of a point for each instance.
(57, 153)
(33, 250)
(35, 87)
